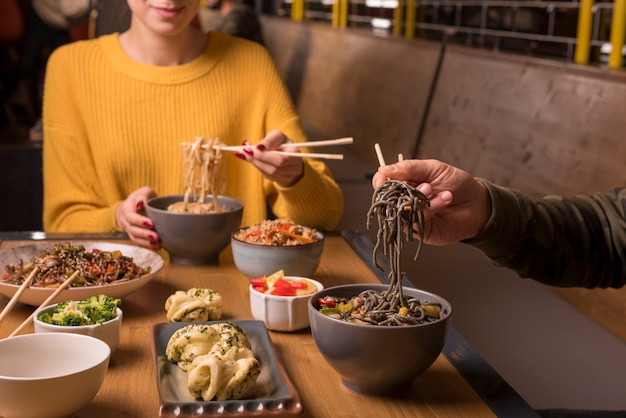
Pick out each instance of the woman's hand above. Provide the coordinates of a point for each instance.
(285, 171)
(459, 205)
(130, 217)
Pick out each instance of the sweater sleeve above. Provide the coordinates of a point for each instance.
(73, 196)
(566, 242)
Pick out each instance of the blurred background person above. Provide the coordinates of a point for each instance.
(234, 17)
(48, 24)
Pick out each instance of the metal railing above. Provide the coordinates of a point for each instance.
(580, 31)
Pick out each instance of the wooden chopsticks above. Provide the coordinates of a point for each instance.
(54, 294)
(17, 294)
(379, 155)
(339, 141)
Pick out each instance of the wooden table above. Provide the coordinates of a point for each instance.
(459, 383)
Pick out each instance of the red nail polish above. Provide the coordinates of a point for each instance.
(248, 151)
(260, 147)
(152, 238)
(140, 205)
(148, 224)
(239, 155)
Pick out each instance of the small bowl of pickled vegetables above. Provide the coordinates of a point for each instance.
(278, 244)
(281, 301)
(97, 316)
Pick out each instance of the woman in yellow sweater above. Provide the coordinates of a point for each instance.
(117, 108)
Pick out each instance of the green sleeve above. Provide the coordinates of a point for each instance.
(567, 242)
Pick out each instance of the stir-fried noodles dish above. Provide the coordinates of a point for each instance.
(399, 211)
(96, 268)
(202, 171)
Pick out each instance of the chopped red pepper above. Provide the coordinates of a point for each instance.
(259, 284)
(299, 285)
(327, 302)
(282, 284)
(283, 291)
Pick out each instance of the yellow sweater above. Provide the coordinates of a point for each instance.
(112, 125)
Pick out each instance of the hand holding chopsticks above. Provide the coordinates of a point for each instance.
(50, 298)
(340, 141)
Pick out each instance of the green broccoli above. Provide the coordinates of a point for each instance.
(93, 310)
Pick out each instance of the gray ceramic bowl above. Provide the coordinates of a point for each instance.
(377, 360)
(192, 238)
(257, 260)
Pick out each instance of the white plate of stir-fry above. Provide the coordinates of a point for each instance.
(107, 268)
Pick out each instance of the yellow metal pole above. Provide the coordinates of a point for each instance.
(397, 18)
(336, 8)
(343, 13)
(617, 33)
(583, 33)
(409, 31)
(297, 10)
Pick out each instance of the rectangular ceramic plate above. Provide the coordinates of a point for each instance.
(275, 393)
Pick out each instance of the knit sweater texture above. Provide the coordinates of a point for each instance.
(112, 125)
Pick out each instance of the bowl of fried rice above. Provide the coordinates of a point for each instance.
(272, 245)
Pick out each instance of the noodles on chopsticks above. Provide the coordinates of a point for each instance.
(399, 211)
(202, 176)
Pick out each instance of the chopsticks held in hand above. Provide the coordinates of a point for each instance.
(17, 294)
(379, 155)
(54, 294)
(340, 141)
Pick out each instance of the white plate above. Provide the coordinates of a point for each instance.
(35, 296)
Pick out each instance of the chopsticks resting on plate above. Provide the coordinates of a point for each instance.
(17, 294)
(54, 294)
(339, 141)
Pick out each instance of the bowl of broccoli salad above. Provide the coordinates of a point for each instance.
(97, 316)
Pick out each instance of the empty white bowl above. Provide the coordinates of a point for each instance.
(50, 375)
(108, 331)
(282, 313)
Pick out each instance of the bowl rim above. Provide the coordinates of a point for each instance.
(319, 234)
(313, 309)
(41, 310)
(238, 205)
(319, 285)
(93, 363)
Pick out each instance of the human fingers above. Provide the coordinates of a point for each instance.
(140, 231)
(282, 169)
(130, 217)
(273, 141)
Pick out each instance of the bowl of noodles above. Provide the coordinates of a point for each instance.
(110, 268)
(378, 354)
(380, 337)
(196, 232)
